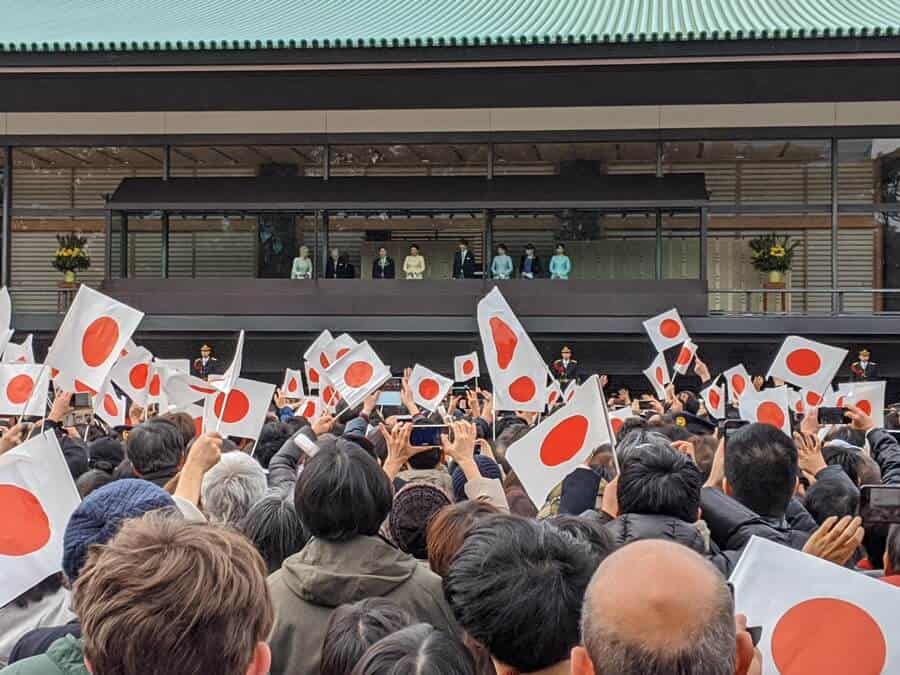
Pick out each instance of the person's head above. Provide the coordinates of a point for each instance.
(382, 252)
(185, 425)
(75, 453)
(274, 528)
(334, 252)
(231, 487)
(566, 352)
(892, 552)
(862, 469)
(501, 249)
(105, 454)
(761, 469)
(705, 447)
(497, 587)
(831, 498)
(560, 249)
(170, 596)
(413, 250)
(304, 251)
(414, 506)
(529, 250)
(448, 529)
(93, 480)
(655, 607)
(588, 530)
(354, 627)
(101, 514)
(206, 351)
(847, 434)
(864, 355)
(463, 245)
(658, 480)
(271, 438)
(420, 648)
(155, 445)
(689, 401)
(342, 493)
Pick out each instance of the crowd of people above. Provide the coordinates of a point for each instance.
(336, 545)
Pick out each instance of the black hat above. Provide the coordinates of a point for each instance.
(693, 424)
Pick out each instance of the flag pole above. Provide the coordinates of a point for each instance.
(31, 395)
(220, 416)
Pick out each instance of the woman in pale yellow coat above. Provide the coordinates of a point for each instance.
(414, 264)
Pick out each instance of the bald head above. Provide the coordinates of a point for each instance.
(657, 607)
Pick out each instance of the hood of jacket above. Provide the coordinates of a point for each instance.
(637, 526)
(332, 573)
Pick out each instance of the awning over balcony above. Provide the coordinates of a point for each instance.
(614, 192)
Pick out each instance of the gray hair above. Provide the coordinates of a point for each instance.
(232, 486)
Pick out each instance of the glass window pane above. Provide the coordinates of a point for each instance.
(247, 160)
(437, 159)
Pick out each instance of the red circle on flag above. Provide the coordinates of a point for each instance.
(19, 388)
(813, 398)
(53, 373)
(865, 407)
(138, 375)
(659, 374)
(803, 362)
(99, 341)
(505, 342)
(21, 359)
(313, 376)
(82, 388)
(468, 367)
(358, 373)
(309, 409)
(198, 425)
(738, 384)
(553, 396)
(811, 637)
(617, 424)
(110, 406)
(429, 388)
(26, 527)
(714, 399)
(323, 360)
(570, 396)
(236, 409)
(329, 395)
(341, 353)
(684, 356)
(202, 390)
(564, 440)
(292, 385)
(670, 328)
(522, 389)
(770, 413)
(154, 385)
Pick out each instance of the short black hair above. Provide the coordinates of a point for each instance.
(271, 438)
(342, 493)
(847, 434)
(354, 627)
(588, 530)
(658, 480)
(463, 242)
(155, 445)
(274, 528)
(892, 549)
(831, 498)
(690, 402)
(761, 468)
(516, 586)
(420, 648)
(861, 468)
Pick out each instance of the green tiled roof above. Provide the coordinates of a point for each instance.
(136, 25)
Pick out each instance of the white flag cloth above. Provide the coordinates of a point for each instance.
(807, 364)
(617, 418)
(816, 617)
(37, 497)
(554, 394)
(555, 447)
(5, 337)
(769, 406)
(313, 359)
(241, 411)
(311, 408)
(466, 367)
(328, 395)
(795, 398)
(292, 387)
(91, 337)
(131, 374)
(714, 398)
(685, 355)
(23, 353)
(339, 348)
(179, 389)
(517, 370)
(666, 330)
(867, 396)
(658, 374)
(109, 406)
(357, 374)
(570, 391)
(234, 370)
(21, 384)
(181, 365)
(5, 309)
(738, 380)
(428, 387)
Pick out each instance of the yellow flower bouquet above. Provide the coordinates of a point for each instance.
(71, 253)
(771, 253)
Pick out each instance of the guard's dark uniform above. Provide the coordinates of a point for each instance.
(204, 370)
(565, 373)
(860, 374)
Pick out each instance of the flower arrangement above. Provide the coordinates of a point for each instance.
(772, 253)
(71, 254)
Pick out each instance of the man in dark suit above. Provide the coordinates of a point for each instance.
(383, 265)
(565, 368)
(463, 262)
(207, 363)
(530, 264)
(863, 370)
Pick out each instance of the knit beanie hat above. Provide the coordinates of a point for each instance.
(413, 507)
(486, 467)
(98, 517)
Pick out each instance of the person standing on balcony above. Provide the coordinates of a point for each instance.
(565, 368)
(864, 370)
(502, 265)
(530, 264)
(560, 265)
(383, 266)
(207, 363)
(414, 264)
(463, 262)
(302, 267)
(339, 266)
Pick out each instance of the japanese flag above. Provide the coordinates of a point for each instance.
(91, 337)
(658, 374)
(555, 447)
(22, 384)
(816, 617)
(179, 389)
(714, 398)
(357, 374)
(328, 394)
(5, 337)
(517, 369)
(666, 330)
(617, 418)
(429, 389)
(465, 367)
(769, 406)
(241, 411)
(37, 497)
(570, 391)
(685, 356)
(311, 408)
(807, 364)
(796, 400)
(109, 406)
(554, 394)
(316, 361)
(867, 396)
(5, 309)
(196, 411)
(738, 380)
(339, 348)
(234, 370)
(23, 353)
(131, 374)
(292, 387)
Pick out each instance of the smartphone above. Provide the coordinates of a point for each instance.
(879, 504)
(81, 401)
(390, 399)
(428, 435)
(392, 384)
(833, 416)
(646, 405)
